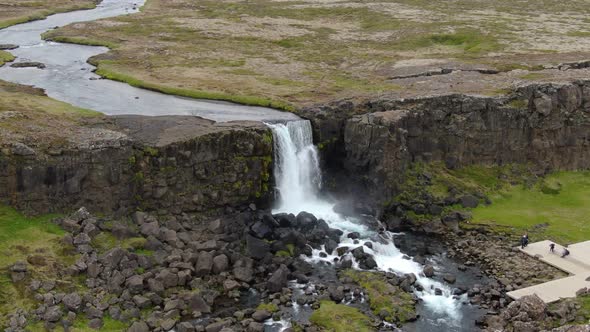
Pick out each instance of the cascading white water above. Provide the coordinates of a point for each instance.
(298, 176)
(297, 163)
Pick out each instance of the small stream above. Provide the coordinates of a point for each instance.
(69, 78)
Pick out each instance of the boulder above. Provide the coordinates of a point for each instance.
(220, 263)
(469, 201)
(7, 47)
(216, 226)
(245, 274)
(95, 324)
(261, 230)
(141, 302)
(257, 248)
(428, 271)
(278, 280)
(19, 266)
(53, 314)
(134, 284)
(150, 228)
(72, 301)
(168, 278)
(261, 315)
(197, 304)
(450, 278)
(285, 219)
(306, 220)
(139, 327)
(336, 293)
(204, 264)
(217, 326)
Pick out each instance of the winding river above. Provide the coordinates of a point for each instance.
(69, 78)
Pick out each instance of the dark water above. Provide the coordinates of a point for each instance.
(67, 76)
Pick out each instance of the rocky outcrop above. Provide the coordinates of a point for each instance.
(171, 164)
(543, 125)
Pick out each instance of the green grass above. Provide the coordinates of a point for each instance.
(340, 318)
(106, 241)
(111, 74)
(20, 236)
(16, 229)
(384, 297)
(270, 307)
(5, 57)
(561, 200)
(77, 40)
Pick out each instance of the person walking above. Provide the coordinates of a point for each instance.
(552, 247)
(566, 252)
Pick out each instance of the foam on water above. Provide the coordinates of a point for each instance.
(298, 176)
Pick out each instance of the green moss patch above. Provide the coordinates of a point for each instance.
(340, 318)
(270, 307)
(388, 302)
(105, 241)
(5, 57)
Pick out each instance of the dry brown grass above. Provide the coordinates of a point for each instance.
(28, 116)
(320, 50)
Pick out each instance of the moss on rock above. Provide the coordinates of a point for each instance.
(387, 301)
(340, 318)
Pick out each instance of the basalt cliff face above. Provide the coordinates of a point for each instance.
(546, 126)
(165, 164)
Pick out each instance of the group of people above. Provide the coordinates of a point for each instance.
(524, 241)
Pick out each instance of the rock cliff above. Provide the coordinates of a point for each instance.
(545, 125)
(168, 164)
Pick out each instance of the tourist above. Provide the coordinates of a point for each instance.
(552, 247)
(524, 241)
(565, 253)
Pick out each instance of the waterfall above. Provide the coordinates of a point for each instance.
(298, 181)
(297, 166)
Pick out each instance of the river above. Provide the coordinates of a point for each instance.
(69, 78)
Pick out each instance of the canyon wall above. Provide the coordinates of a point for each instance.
(546, 126)
(164, 164)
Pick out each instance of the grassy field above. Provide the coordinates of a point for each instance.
(283, 53)
(30, 117)
(556, 208)
(19, 11)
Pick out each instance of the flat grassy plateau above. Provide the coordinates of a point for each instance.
(292, 53)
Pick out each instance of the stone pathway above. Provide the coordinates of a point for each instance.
(577, 264)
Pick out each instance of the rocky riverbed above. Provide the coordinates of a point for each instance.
(250, 270)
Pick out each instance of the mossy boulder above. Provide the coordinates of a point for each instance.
(387, 301)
